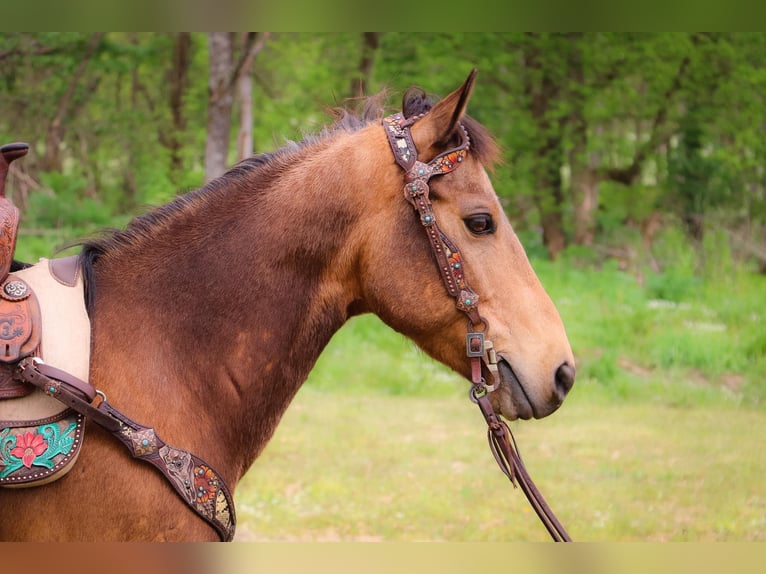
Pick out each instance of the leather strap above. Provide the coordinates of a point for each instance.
(503, 447)
(449, 262)
(195, 481)
(416, 191)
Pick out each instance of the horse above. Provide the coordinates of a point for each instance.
(208, 313)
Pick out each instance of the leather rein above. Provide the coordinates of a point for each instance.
(479, 349)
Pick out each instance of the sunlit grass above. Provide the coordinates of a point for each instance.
(402, 469)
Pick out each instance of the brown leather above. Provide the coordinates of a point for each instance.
(9, 215)
(8, 153)
(85, 390)
(28, 370)
(502, 444)
(9, 226)
(20, 328)
(195, 481)
(20, 322)
(65, 270)
(10, 387)
(416, 191)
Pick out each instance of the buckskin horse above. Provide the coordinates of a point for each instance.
(207, 314)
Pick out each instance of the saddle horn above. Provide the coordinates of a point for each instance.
(8, 153)
(9, 215)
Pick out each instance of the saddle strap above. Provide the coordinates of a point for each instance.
(195, 481)
(501, 443)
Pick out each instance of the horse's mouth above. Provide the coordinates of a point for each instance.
(522, 407)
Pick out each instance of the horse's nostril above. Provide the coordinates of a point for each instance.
(565, 377)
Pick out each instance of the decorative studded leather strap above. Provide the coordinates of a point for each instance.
(195, 481)
(416, 191)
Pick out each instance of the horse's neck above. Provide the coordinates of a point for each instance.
(236, 314)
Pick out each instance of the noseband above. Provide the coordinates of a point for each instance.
(450, 264)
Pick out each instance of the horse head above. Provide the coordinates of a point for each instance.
(404, 285)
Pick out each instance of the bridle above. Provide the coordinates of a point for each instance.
(479, 349)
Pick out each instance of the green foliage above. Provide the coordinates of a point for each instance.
(67, 206)
(558, 103)
(385, 363)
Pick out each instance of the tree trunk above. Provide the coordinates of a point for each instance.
(245, 100)
(360, 83)
(224, 78)
(179, 81)
(584, 180)
(55, 131)
(549, 195)
(220, 98)
(585, 187)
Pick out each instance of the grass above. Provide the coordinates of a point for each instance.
(345, 467)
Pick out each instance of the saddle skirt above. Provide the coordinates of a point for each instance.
(40, 438)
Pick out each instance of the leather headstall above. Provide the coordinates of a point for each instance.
(450, 263)
(448, 258)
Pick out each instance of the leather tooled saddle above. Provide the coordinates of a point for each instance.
(40, 438)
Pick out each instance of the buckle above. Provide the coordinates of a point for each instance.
(474, 344)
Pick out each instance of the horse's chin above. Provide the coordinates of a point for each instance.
(510, 399)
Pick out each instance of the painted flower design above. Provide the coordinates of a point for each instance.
(205, 484)
(28, 447)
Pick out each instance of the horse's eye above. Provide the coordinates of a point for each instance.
(480, 224)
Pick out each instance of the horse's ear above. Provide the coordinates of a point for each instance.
(439, 126)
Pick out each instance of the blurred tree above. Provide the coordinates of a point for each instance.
(360, 82)
(225, 75)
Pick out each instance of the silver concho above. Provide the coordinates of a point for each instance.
(16, 289)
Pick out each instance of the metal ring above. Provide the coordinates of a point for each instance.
(484, 324)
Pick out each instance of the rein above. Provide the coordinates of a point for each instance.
(479, 349)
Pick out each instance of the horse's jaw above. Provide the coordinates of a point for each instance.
(512, 399)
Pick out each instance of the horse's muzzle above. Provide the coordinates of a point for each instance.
(515, 401)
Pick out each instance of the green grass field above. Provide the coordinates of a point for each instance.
(405, 469)
(660, 440)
